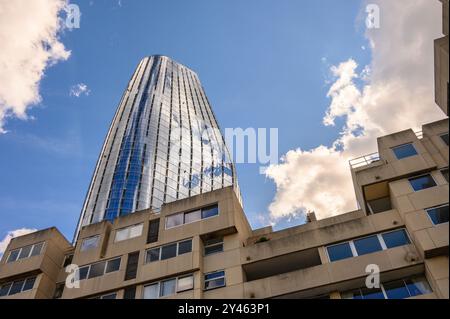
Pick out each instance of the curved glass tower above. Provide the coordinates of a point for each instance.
(163, 144)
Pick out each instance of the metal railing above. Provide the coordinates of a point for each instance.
(419, 134)
(364, 160)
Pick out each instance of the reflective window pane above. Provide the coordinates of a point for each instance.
(372, 293)
(168, 251)
(4, 289)
(29, 283)
(136, 231)
(210, 211)
(25, 252)
(219, 282)
(89, 243)
(396, 290)
(83, 272)
(16, 287)
(418, 286)
(367, 245)
(422, 182)
(192, 216)
(13, 255)
(113, 265)
(174, 220)
(185, 283)
(184, 247)
(168, 287)
(404, 151)
(395, 238)
(121, 234)
(151, 291)
(152, 255)
(110, 296)
(340, 251)
(37, 248)
(97, 270)
(438, 215)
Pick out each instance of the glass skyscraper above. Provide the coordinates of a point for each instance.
(163, 144)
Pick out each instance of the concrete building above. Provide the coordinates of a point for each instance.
(441, 67)
(203, 246)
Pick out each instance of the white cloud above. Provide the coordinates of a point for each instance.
(396, 93)
(79, 89)
(10, 235)
(29, 45)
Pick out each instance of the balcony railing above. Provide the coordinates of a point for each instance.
(419, 134)
(364, 160)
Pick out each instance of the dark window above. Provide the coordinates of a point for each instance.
(132, 266)
(5, 289)
(340, 251)
(97, 270)
(215, 280)
(373, 293)
(59, 290)
(29, 284)
(422, 182)
(152, 255)
(445, 138)
(367, 245)
(37, 248)
(83, 272)
(109, 296)
(16, 287)
(438, 215)
(396, 290)
(168, 251)
(213, 246)
(25, 252)
(153, 231)
(13, 255)
(395, 238)
(185, 247)
(210, 211)
(67, 260)
(129, 293)
(404, 151)
(112, 265)
(444, 173)
(380, 205)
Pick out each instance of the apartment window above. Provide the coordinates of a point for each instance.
(25, 252)
(339, 251)
(17, 286)
(168, 251)
(90, 243)
(168, 287)
(128, 232)
(397, 289)
(190, 217)
(213, 246)
(98, 269)
(132, 266)
(444, 138)
(367, 245)
(405, 150)
(438, 215)
(59, 290)
(67, 260)
(379, 205)
(215, 280)
(422, 182)
(129, 293)
(153, 231)
(444, 173)
(112, 265)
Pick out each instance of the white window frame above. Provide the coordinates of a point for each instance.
(104, 268)
(11, 283)
(380, 240)
(128, 232)
(409, 143)
(89, 238)
(220, 242)
(414, 177)
(20, 251)
(208, 280)
(160, 250)
(429, 217)
(159, 284)
(190, 211)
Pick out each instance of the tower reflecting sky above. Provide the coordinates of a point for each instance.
(163, 144)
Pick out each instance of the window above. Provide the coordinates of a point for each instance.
(129, 292)
(153, 231)
(444, 173)
(89, 243)
(128, 232)
(168, 287)
(168, 251)
(422, 182)
(340, 251)
(438, 215)
(213, 246)
(59, 290)
(185, 283)
(184, 247)
(444, 138)
(18, 286)
(367, 245)
(403, 151)
(132, 266)
(109, 296)
(215, 280)
(397, 289)
(174, 220)
(112, 265)
(83, 272)
(379, 205)
(99, 269)
(25, 252)
(190, 217)
(67, 260)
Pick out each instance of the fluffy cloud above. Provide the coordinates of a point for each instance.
(394, 93)
(29, 44)
(79, 89)
(10, 235)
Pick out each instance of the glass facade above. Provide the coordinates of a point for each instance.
(164, 144)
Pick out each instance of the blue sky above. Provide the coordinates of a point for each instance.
(262, 63)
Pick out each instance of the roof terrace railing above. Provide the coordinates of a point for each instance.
(364, 160)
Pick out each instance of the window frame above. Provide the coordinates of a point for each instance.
(191, 211)
(177, 250)
(213, 279)
(104, 268)
(128, 232)
(19, 250)
(11, 283)
(220, 242)
(434, 207)
(160, 286)
(418, 176)
(88, 238)
(403, 145)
